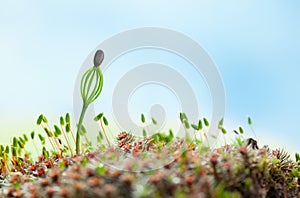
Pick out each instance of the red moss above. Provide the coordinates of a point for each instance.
(94, 181)
(122, 135)
(44, 182)
(17, 194)
(109, 189)
(32, 168)
(127, 178)
(127, 147)
(48, 164)
(64, 192)
(40, 172)
(189, 179)
(243, 150)
(50, 191)
(214, 159)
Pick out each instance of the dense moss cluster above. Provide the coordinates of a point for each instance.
(153, 167)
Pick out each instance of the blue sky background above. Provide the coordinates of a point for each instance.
(255, 45)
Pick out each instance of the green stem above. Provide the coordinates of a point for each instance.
(84, 108)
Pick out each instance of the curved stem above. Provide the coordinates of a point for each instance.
(84, 108)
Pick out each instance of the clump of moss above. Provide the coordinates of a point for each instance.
(160, 165)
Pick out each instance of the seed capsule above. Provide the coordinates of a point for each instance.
(98, 58)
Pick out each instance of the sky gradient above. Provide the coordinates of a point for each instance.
(254, 44)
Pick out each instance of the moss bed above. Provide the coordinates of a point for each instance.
(150, 167)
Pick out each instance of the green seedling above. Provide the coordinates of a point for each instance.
(88, 93)
(250, 124)
(62, 124)
(68, 126)
(32, 135)
(102, 119)
(43, 122)
(154, 121)
(223, 130)
(143, 120)
(185, 122)
(206, 123)
(241, 130)
(195, 127)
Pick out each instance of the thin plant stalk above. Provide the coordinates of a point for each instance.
(54, 139)
(35, 147)
(68, 126)
(89, 95)
(67, 140)
(104, 132)
(50, 140)
(73, 137)
(83, 111)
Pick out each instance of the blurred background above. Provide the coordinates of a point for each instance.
(255, 45)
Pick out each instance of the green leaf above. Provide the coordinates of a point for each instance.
(42, 139)
(98, 117)
(45, 120)
(239, 142)
(248, 183)
(39, 120)
(61, 121)
(15, 142)
(295, 172)
(186, 124)
(55, 134)
(241, 130)
(144, 133)
(25, 137)
(100, 135)
(171, 133)
(62, 166)
(194, 126)
(249, 121)
(105, 121)
(7, 149)
(206, 123)
(49, 134)
(68, 127)
(57, 130)
(21, 145)
(143, 118)
(99, 140)
(100, 170)
(68, 118)
(223, 130)
(297, 156)
(32, 135)
(84, 162)
(14, 151)
(21, 139)
(182, 116)
(1, 149)
(200, 126)
(45, 152)
(220, 125)
(154, 121)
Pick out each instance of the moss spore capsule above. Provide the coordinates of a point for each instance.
(98, 58)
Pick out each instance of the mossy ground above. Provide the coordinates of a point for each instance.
(150, 167)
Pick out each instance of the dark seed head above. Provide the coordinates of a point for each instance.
(252, 143)
(98, 58)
